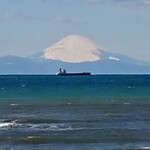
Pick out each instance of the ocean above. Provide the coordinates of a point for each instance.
(97, 112)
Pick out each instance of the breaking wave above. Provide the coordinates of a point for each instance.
(36, 126)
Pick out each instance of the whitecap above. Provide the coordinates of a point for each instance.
(47, 126)
(6, 124)
(68, 103)
(145, 148)
(14, 104)
(126, 103)
(131, 87)
(142, 148)
(32, 137)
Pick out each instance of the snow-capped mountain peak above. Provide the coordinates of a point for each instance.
(73, 49)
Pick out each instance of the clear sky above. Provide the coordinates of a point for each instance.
(30, 26)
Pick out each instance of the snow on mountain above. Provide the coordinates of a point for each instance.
(114, 58)
(73, 49)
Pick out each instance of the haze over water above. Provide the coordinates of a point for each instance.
(85, 112)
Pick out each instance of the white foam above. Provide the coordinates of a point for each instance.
(126, 103)
(131, 87)
(14, 104)
(47, 126)
(142, 148)
(23, 85)
(68, 103)
(32, 137)
(6, 124)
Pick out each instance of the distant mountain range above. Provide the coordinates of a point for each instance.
(75, 54)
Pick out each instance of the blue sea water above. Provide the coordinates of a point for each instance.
(99, 112)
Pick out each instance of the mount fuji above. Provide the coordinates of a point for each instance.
(76, 54)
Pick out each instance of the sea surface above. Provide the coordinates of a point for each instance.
(98, 112)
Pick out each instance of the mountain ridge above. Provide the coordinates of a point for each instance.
(27, 65)
(100, 62)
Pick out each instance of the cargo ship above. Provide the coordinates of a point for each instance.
(62, 72)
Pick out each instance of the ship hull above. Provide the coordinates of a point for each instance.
(74, 74)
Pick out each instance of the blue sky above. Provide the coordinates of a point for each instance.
(120, 26)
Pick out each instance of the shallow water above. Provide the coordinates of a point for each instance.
(88, 112)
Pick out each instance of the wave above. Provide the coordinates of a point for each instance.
(46, 140)
(141, 148)
(14, 104)
(40, 126)
(6, 125)
(58, 127)
(62, 125)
